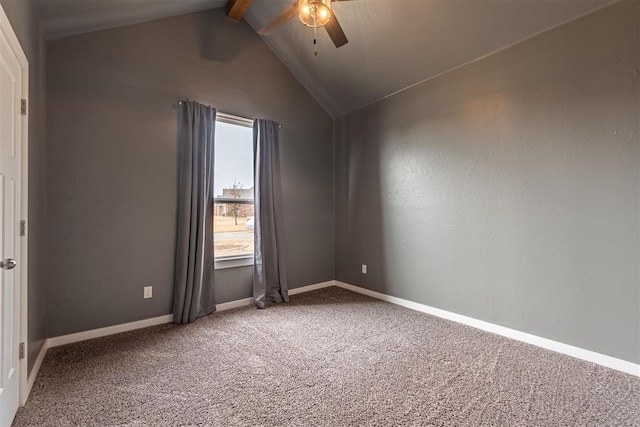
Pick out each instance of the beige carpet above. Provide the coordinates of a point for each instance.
(330, 357)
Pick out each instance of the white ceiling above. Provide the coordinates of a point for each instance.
(393, 44)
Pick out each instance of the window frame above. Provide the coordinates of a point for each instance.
(233, 261)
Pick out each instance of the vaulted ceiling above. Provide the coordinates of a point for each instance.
(393, 44)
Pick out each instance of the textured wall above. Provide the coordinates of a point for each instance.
(24, 20)
(507, 190)
(112, 161)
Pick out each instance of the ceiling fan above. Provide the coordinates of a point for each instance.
(312, 13)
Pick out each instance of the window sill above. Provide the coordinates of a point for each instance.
(232, 262)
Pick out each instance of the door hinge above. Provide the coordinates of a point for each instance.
(21, 351)
(23, 228)
(23, 107)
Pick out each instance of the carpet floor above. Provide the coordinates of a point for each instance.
(329, 357)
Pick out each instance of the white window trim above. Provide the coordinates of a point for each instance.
(234, 120)
(241, 260)
(237, 261)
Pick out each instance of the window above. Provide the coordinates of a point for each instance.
(233, 215)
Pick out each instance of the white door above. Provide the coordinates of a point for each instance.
(10, 199)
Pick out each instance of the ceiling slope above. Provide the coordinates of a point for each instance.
(62, 18)
(396, 44)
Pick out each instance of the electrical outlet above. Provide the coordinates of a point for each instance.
(364, 268)
(148, 291)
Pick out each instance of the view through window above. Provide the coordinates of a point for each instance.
(233, 188)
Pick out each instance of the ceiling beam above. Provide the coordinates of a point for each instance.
(287, 14)
(237, 9)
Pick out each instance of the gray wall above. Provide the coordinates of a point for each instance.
(112, 161)
(507, 190)
(24, 20)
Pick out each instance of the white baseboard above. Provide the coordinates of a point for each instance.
(126, 327)
(569, 350)
(313, 287)
(34, 371)
(249, 301)
(234, 304)
(109, 330)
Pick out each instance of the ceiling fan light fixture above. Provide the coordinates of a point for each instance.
(315, 13)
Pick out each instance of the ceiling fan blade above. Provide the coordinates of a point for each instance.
(287, 14)
(237, 9)
(335, 32)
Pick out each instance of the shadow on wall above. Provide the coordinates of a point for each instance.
(220, 39)
(360, 234)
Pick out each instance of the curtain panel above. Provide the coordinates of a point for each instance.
(269, 269)
(194, 264)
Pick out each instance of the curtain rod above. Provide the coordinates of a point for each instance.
(235, 118)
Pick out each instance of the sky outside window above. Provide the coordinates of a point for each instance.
(233, 157)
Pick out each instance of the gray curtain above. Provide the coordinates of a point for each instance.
(193, 284)
(269, 268)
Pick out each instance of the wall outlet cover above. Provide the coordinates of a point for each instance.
(364, 268)
(148, 291)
